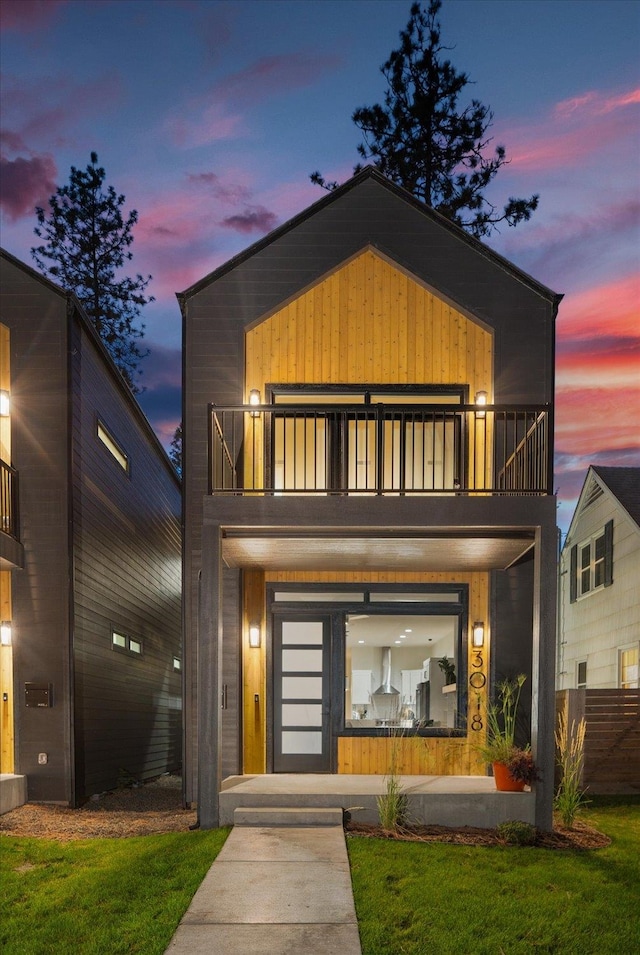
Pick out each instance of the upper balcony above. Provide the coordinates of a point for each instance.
(380, 449)
(9, 500)
(11, 550)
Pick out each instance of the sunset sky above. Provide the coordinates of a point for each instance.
(209, 117)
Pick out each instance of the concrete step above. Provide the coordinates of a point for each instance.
(277, 816)
(13, 792)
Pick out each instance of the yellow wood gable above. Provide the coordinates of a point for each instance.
(369, 322)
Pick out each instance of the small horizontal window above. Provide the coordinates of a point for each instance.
(112, 445)
(302, 596)
(120, 641)
(399, 596)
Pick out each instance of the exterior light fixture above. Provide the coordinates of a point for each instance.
(254, 636)
(254, 399)
(477, 639)
(480, 400)
(5, 633)
(5, 404)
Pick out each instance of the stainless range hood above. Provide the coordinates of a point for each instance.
(386, 686)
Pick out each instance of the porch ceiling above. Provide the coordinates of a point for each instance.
(308, 549)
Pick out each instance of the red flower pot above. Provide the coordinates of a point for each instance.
(504, 781)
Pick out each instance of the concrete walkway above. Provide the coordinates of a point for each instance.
(274, 891)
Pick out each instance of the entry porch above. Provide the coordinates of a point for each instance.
(431, 800)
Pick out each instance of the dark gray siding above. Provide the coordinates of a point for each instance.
(36, 317)
(127, 578)
(512, 596)
(219, 309)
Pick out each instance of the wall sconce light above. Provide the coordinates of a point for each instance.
(254, 399)
(480, 400)
(477, 639)
(5, 404)
(5, 633)
(254, 636)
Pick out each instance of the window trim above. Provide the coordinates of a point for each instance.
(115, 449)
(578, 569)
(625, 649)
(129, 643)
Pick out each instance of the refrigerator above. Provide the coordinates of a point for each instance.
(422, 701)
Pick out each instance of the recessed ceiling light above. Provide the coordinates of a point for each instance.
(402, 636)
(407, 630)
(397, 641)
(360, 641)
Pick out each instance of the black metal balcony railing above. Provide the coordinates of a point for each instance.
(380, 449)
(9, 500)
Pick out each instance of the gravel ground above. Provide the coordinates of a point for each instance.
(152, 808)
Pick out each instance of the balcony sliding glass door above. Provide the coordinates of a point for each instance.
(368, 444)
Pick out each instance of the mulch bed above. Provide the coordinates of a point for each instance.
(145, 810)
(156, 807)
(580, 836)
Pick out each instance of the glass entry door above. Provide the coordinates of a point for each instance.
(301, 669)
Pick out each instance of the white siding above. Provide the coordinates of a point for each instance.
(597, 625)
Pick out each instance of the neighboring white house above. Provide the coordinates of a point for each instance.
(599, 590)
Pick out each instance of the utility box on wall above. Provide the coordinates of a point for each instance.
(38, 694)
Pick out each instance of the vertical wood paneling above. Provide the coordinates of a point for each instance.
(368, 323)
(417, 755)
(254, 670)
(6, 681)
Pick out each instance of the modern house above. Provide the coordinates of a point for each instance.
(89, 560)
(370, 540)
(599, 610)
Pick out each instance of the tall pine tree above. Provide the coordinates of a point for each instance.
(424, 141)
(86, 242)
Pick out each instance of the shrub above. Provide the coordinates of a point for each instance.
(517, 833)
(570, 798)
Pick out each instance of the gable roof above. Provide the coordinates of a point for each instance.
(371, 173)
(74, 308)
(624, 484)
(621, 483)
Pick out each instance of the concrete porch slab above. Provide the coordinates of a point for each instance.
(13, 792)
(432, 800)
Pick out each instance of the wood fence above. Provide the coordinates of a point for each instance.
(612, 738)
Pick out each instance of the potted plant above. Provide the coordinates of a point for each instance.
(448, 667)
(513, 766)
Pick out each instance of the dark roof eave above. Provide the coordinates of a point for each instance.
(370, 172)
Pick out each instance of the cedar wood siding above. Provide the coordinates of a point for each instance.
(37, 318)
(367, 211)
(127, 577)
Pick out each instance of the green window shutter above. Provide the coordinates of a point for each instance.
(573, 575)
(608, 553)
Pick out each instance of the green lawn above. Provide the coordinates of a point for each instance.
(436, 899)
(110, 896)
(99, 896)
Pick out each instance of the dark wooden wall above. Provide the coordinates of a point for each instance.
(102, 552)
(36, 317)
(126, 551)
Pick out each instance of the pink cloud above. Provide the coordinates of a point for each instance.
(577, 128)
(275, 74)
(593, 419)
(24, 184)
(28, 15)
(58, 103)
(220, 112)
(611, 308)
(594, 103)
(253, 219)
